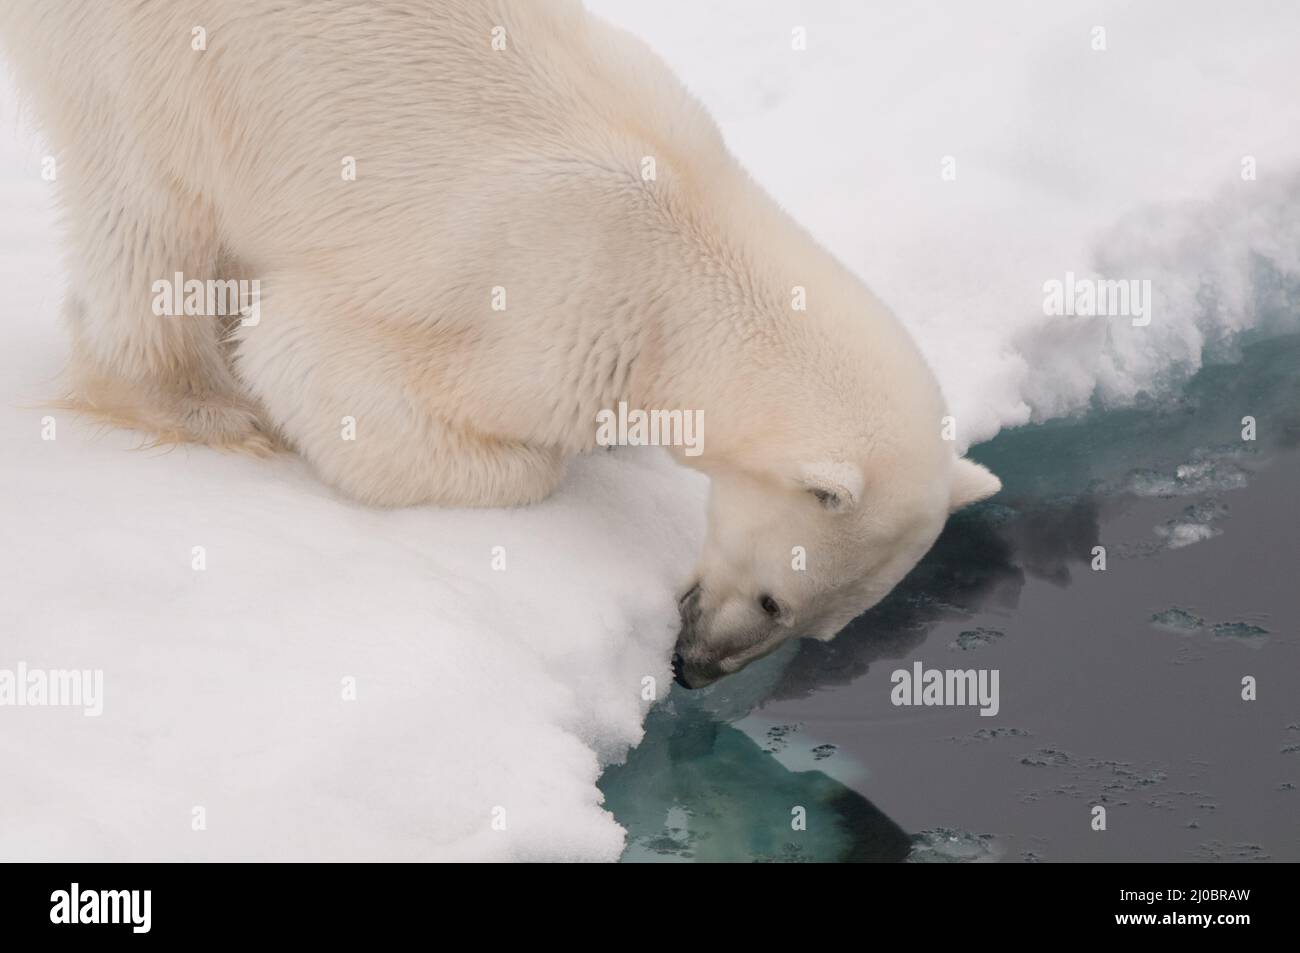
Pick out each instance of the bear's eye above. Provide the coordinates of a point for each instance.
(769, 605)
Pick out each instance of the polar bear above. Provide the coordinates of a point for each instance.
(474, 226)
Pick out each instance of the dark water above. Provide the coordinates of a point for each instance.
(1119, 688)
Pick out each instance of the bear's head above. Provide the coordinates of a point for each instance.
(800, 552)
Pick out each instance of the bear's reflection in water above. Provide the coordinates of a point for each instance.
(699, 789)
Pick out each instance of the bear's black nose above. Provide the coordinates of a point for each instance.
(678, 677)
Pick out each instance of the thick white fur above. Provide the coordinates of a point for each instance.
(479, 168)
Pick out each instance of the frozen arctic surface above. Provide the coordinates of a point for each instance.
(480, 691)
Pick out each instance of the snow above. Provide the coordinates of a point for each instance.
(484, 694)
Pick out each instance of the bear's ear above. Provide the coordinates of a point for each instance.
(971, 483)
(837, 486)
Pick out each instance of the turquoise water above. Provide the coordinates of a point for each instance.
(1119, 687)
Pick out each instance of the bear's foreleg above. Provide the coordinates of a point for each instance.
(349, 391)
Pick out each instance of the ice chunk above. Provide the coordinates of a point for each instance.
(947, 846)
(1178, 620)
(976, 638)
